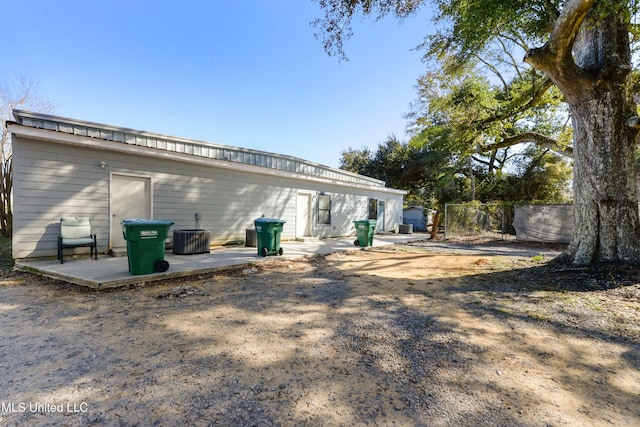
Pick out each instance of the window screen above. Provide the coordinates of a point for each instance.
(324, 209)
(373, 208)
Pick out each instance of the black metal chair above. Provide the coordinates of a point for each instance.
(75, 231)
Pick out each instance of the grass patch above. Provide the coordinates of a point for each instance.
(539, 315)
(504, 310)
(6, 260)
(538, 258)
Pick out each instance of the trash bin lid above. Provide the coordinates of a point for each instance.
(139, 222)
(270, 220)
(364, 221)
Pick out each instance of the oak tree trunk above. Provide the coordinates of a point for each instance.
(605, 188)
(588, 58)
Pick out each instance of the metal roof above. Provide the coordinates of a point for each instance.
(189, 147)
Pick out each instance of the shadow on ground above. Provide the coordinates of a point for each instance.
(386, 336)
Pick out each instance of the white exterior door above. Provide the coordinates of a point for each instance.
(391, 215)
(303, 215)
(130, 198)
(381, 216)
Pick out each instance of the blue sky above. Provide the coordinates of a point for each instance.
(243, 73)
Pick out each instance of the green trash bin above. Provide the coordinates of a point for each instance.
(268, 235)
(145, 245)
(364, 231)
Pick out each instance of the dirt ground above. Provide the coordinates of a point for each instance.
(398, 335)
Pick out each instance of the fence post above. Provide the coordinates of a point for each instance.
(502, 222)
(446, 217)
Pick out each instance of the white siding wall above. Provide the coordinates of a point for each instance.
(52, 180)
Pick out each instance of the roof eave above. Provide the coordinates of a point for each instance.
(101, 144)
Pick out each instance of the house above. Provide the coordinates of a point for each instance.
(64, 166)
(418, 217)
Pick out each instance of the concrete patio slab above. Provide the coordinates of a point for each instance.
(109, 272)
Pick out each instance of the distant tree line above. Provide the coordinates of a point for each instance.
(22, 93)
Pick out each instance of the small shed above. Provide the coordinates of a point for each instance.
(65, 166)
(419, 217)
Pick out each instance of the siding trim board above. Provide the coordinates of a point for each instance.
(64, 171)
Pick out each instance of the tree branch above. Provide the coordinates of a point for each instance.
(495, 71)
(508, 53)
(567, 26)
(555, 57)
(537, 138)
(517, 105)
